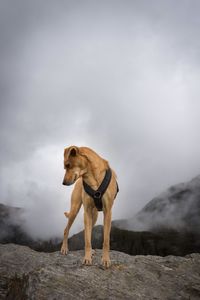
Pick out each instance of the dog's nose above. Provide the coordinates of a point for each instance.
(64, 183)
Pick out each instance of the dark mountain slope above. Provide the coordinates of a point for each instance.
(176, 209)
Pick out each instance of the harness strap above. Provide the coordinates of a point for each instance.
(98, 194)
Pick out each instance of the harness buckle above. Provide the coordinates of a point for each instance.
(97, 195)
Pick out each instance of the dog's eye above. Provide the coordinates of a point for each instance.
(67, 166)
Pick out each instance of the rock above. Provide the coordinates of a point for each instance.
(26, 274)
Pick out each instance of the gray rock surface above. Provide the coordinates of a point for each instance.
(27, 274)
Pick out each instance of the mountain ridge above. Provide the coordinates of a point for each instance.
(177, 208)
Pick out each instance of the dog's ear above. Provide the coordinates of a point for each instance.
(71, 151)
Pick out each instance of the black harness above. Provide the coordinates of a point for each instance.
(98, 194)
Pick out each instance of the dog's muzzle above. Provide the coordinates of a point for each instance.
(70, 182)
(66, 183)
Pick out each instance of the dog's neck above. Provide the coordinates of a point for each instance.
(95, 170)
(94, 177)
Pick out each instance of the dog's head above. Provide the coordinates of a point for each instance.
(74, 165)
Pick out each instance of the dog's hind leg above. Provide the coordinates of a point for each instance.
(76, 203)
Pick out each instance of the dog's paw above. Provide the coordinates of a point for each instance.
(66, 213)
(87, 261)
(64, 250)
(106, 263)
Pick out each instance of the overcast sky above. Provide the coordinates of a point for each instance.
(121, 77)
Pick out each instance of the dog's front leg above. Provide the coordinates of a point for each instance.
(71, 216)
(88, 233)
(106, 241)
(76, 202)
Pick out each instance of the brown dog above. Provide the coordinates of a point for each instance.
(83, 165)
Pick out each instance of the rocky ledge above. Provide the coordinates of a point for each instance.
(27, 274)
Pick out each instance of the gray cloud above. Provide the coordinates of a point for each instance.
(119, 76)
